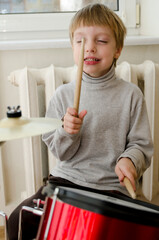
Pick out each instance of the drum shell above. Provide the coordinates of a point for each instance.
(69, 222)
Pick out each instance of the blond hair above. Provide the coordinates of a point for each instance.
(99, 14)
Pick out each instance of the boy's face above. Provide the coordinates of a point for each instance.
(99, 50)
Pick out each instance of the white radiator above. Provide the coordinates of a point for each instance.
(28, 80)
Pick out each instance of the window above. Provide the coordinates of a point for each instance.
(46, 6)
(18, 22)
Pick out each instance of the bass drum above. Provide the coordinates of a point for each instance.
(73, 214)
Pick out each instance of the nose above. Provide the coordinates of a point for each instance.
(90, 47)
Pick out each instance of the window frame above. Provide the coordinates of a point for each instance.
(30, 26)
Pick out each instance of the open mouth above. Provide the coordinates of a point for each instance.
(91, 60)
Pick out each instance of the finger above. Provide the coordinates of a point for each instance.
(71, 116)
(82, 114)
(131, 175)
(72, 124)
(71, 131)
(119, 173)
(131, 179)
(72, 111)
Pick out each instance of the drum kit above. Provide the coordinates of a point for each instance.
(73, 214)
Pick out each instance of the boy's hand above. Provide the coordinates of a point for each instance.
(73, 121)
(125, 168)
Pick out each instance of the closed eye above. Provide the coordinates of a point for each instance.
(102, 41)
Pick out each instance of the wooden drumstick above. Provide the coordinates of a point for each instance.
(129, 187)
(79, 77)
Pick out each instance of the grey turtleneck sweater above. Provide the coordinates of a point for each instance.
(116, 125)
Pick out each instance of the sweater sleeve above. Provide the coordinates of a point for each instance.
(139, 147)
(62, 144)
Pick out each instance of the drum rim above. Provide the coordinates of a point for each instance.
(74, 197)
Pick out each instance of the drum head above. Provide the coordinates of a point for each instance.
(133, 210)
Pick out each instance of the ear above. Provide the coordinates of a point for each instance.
(117, 53)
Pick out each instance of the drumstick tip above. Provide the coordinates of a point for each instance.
(129, 188)
(133, 196)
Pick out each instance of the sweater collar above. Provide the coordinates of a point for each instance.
(109, 76)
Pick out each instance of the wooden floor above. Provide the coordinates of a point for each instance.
(1, 233)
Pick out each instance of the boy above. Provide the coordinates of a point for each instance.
(109, 140)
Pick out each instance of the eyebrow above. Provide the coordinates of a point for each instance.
(100, 33)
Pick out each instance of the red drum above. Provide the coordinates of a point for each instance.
(80, 215)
